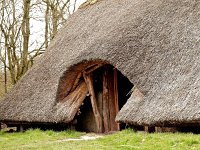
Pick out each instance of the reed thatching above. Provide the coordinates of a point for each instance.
(154, 43)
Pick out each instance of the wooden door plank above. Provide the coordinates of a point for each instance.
(89, 81)
(93, 68)
(76, 82)
(106, 119)
(110, 100)
(75, 99)
(112, 107)
(116, 99)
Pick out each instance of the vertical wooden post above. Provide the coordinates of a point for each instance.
(112, 111)
(21, 129)
(158, 129)
(146, 129)
(106, 112)
(110, 99)
(89, 81)
(116, 94)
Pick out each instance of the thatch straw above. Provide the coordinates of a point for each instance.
(155, 43)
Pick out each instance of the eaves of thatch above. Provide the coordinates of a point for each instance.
(154, 43)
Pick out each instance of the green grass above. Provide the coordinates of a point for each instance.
(33, 138)
(124, 140)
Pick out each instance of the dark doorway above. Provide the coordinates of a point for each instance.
(112, 90)
(189, 129)
(124, 92)
(86, 121)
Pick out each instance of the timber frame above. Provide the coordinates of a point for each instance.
(105, 118)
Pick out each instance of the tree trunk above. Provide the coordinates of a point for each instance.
(5, 76)
(46, 40)
(26, 35)
(54, 20)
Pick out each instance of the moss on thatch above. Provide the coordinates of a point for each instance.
(155, 44)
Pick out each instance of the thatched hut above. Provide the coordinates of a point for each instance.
(105, 49)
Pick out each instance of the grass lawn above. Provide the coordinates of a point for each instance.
(124, 140)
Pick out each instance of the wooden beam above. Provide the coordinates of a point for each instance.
(165, 129)
(146, 129)
(116, 99)
(21, 128)
(75, 99)
(88, 70)
(106, 113)
(89, 81)
(89, 66)
(112, 101)
(76, 81)
(92, 68)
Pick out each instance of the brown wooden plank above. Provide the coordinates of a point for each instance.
(99, 97)
(92, 68)
(112, 105)
(75, 99)
(146, 129)
(76, 81)
(116, 96)
(110, 100)
(165, 129)
(106, 119)
(98, 118)
(21, 128)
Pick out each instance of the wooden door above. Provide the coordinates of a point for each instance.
(105, 107)
(110, 100)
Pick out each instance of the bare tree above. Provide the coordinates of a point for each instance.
(17, 51)
(9, 33)
(56, 13)
(15, 36)
(25, 34)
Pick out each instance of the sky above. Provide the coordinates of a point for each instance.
(37, 26)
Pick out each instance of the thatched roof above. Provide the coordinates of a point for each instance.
(154, 43)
